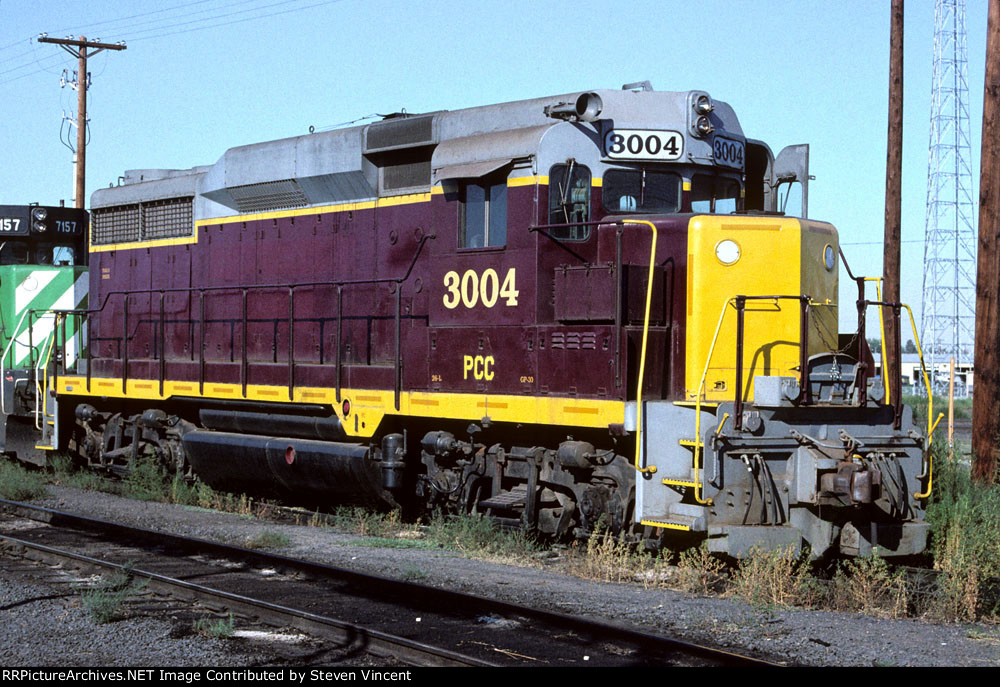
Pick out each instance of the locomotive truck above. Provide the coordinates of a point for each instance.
(558, 312)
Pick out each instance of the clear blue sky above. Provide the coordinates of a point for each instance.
(200, 77)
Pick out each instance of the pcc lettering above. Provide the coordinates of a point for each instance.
(480, 367)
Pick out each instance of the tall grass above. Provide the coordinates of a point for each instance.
(963, 408)
(480, 537)
(607, 558)
(869, 585)
(106, 601)
(18, 483)
(965, 542)
(777, 577)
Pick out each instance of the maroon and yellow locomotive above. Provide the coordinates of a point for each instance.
(551, 311)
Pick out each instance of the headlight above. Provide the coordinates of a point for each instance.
(829, 257)
(703, 126)
(39, 214)
(727, 251)
(703, 105)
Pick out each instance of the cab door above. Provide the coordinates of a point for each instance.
(791, 167)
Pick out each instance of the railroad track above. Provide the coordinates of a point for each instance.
(416, 624)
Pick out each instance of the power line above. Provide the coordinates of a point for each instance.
(134, 38)
(164, 26)
(878, 243)
(122, 26)
(88, 27)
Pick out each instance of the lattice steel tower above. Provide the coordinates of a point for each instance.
(948, 322)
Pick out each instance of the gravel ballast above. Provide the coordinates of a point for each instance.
(788, 636)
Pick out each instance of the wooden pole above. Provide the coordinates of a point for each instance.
(81, 125)
(985, 418)
(951, 410)
(893, 188)
(78, 49)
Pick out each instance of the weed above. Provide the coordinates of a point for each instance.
(365, 522)
(982, 635)
(965, 531)
(388, 543)
(699, 572)
(19, 484)
(218, 628)
(146, 481)
(963, 407)
(778, 577)
(412, 573)
(319, 520)
(480, 537)
(65, 472)
(269, 539)
(106, 601)
(868, 585)
(607, 558)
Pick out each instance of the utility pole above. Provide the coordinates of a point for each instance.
(78, 49)
(985, 420)
(893, 190)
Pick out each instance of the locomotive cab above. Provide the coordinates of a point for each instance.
(42, 269)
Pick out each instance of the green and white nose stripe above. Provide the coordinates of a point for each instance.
(33, 287)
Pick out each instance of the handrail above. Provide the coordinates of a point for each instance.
(239, 287)
(930, 410)
(697, 407)
(881, 321)
(736, 300)
(3, 364)
(243, 290)
(642, 355)
(43, 367)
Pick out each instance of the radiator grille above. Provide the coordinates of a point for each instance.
(170, 218)
(115, 225)
(394, 133)
(269, 195)
(158, 219)
(406, 175)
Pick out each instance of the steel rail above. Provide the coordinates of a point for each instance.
(384, 586)
(348, 634)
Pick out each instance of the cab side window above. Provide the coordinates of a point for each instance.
(484, 212)
(569, 201)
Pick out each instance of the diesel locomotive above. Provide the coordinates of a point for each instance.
(43, 258)
(564, 313)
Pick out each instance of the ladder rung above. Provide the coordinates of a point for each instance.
(694, 404)
(679, 483)
(665, 525)
(691, 443)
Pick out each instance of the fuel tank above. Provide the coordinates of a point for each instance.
(301, 470)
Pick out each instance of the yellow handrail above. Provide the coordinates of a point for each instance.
(39, 393)
(697, 408)
(930, 408)
(642, 355)
(881, 323)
